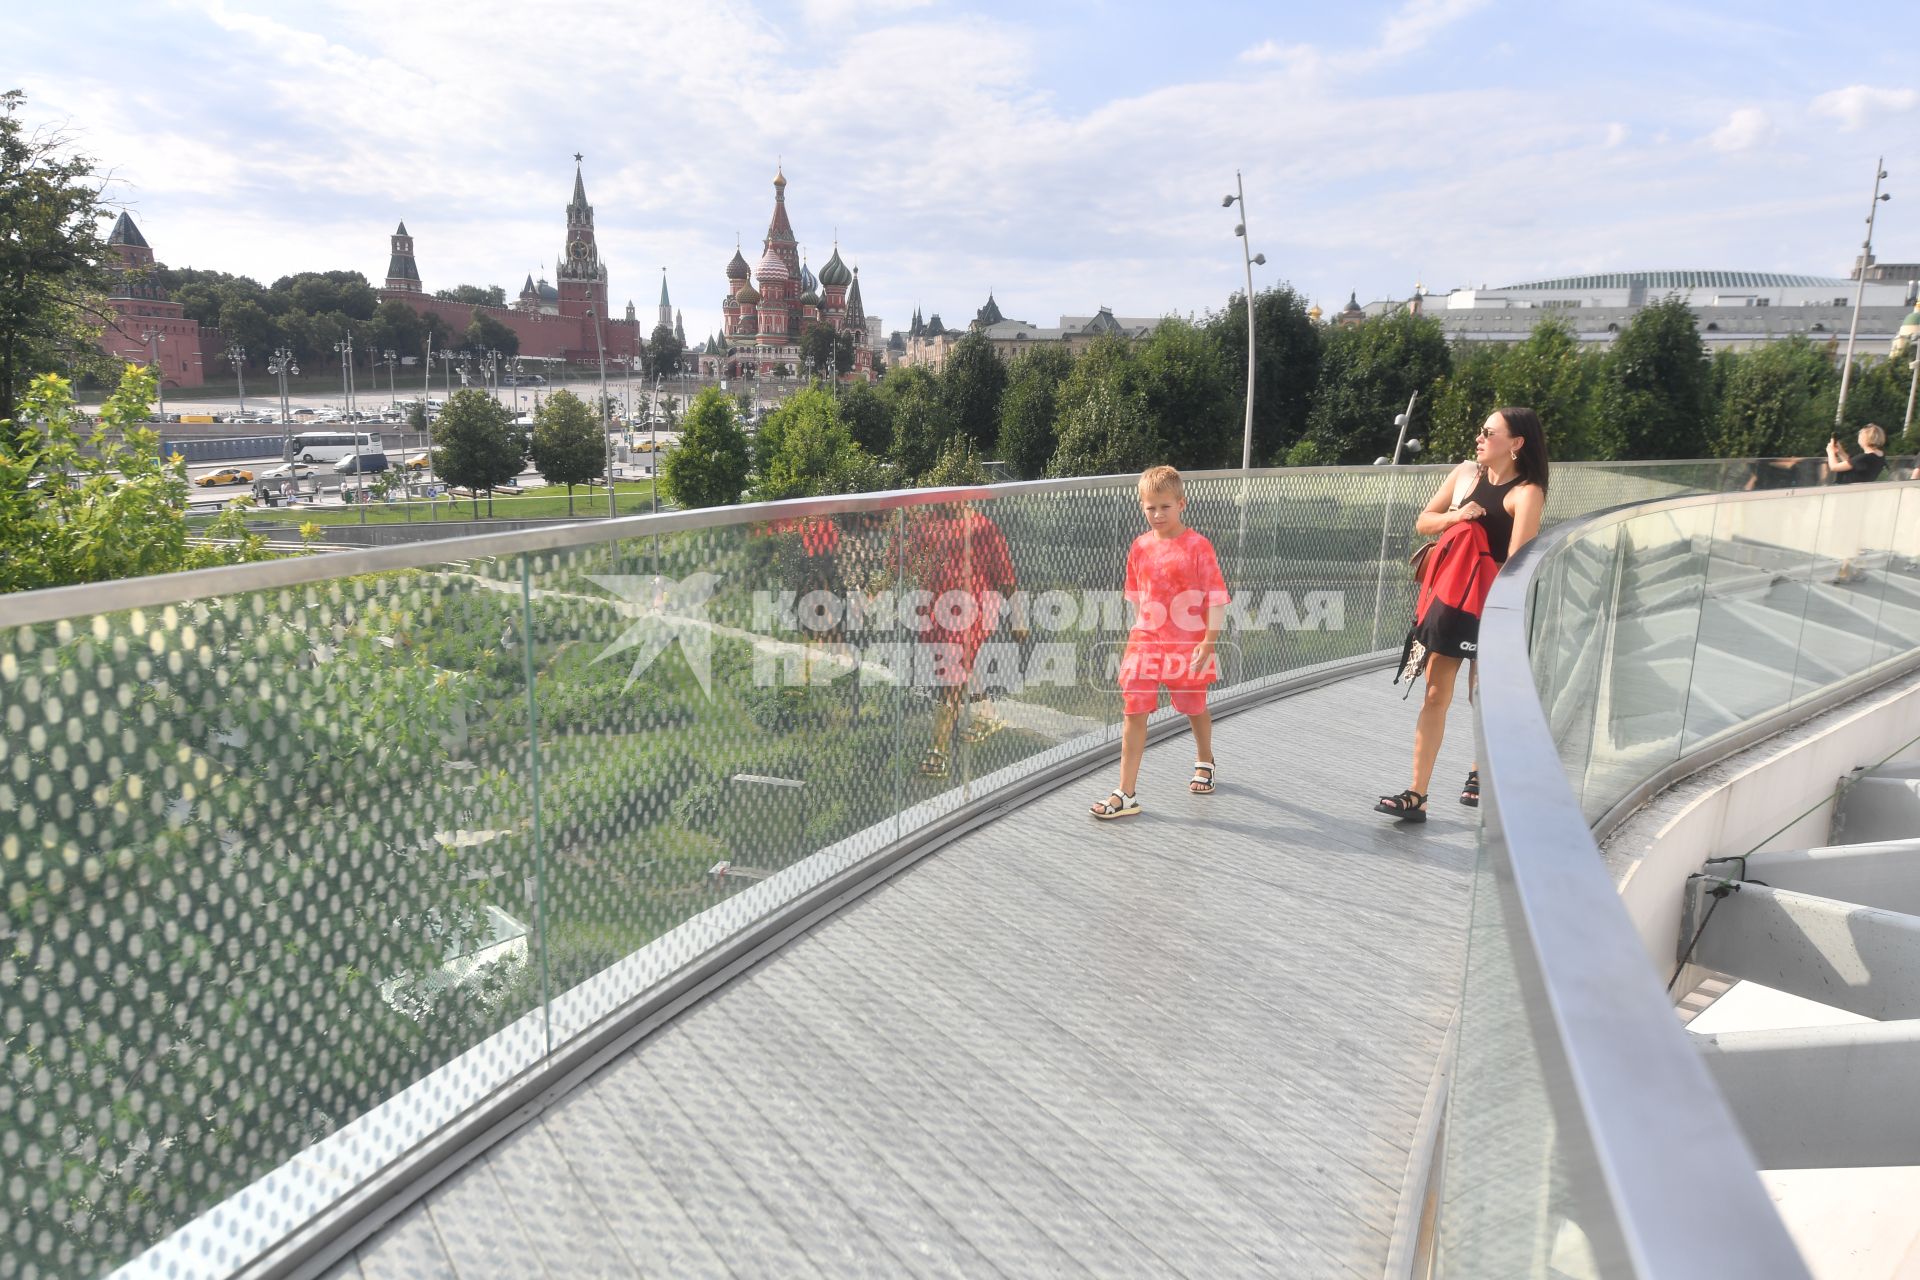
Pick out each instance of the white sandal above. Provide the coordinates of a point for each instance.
(1126, 808)
(1201, 784)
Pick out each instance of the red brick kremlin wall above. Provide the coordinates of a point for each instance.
(569, 338)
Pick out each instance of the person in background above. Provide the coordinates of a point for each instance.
(1863, 466)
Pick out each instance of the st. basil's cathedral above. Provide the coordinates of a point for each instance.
(763, 324)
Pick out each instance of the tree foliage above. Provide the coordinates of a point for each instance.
(476, 445)
(1286, 367)
(1030, 408)
(803, 450)
(1367, 374)
(1183, 381)
(709, 467)
(817, 348)
(569, 444)
(1547, 372)
(486, 333)
(972, 382)
(53, 278)
(113, 509)
(1104, 428)
(665, 353)
(867, 416)
(1776, 399)
(474, 295)
(922, 423)
(1654, 394)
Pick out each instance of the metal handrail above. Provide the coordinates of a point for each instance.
(1660, 1145)
(52, 604)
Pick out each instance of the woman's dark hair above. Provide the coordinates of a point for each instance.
(1524, 426)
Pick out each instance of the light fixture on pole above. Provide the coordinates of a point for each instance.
(1859, 289)
(606, 428)
(280, 364)
(393, 394)
(653, 451)
(237, 355)
(153, 339)
(1248, 258)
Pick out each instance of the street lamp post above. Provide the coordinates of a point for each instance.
(653, 453)
(280, 364)
(345, 349)
(237, 354)
(153, 339)
(1240, 195)
(1859, 289)
(393, 394)
(606, 429)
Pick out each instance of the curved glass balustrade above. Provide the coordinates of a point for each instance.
(1583, 1137)
(305, 862)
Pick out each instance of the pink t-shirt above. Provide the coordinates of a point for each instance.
(1171, 582)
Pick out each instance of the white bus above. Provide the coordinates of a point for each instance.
(331, 446)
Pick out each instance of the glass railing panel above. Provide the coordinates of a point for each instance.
(1900, 595)
(266, 868)
(1579, 626)
(1751, 615)
(1842, 589)
(1646, 662)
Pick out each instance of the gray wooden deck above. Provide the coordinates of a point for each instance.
(1194, 1042)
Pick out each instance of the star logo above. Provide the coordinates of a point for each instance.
(663, 610)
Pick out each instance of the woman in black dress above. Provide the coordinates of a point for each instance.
(1508, 478)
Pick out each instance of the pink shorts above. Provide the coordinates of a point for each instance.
(1142, 697)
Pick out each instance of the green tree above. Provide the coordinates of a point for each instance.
(1654, 394)
(664, 352)
(569, 446)
(1547, 372)
(1286, 370)
(922, 423)
(971, 385)
(1185, 384)
(709, 467)
(476, 445)
(1366, 375)
(1775, 399)
(76, 510)
(53, 278)
(804, 450)
(474, 295)
(816, 349)
(844, 349)
(485, 332)
(1104, 431)
(325, 292)
(867, 416)
(1877, 394)
(1030, 409)
(958, 464)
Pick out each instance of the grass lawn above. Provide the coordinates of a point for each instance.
(631, 498)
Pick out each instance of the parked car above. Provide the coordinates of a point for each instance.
(225, 475)
(361, 464)
(289, 471)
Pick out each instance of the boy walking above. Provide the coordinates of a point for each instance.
(1180, 607)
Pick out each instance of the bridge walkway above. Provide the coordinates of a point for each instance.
(1195, 1042)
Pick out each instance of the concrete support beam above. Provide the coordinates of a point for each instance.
(1861, 959)
(1843, 1097)
(1884, 875)
(1880, 805)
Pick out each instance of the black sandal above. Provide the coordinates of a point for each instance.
(1408, 806)
(1470, 793)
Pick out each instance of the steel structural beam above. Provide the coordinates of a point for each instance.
(1823, 1097)
(1861, 959)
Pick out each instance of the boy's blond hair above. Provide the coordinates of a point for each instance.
(1873, 436)
(1162, 480)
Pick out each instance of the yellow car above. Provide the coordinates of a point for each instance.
(419, 462)
(225, 475)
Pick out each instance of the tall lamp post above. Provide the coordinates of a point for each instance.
(1226, 202)
(237, 356)
(606, 429)
(393, 393)
(1859, 289)
(280, 364)
(153, 338)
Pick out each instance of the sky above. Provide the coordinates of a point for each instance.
(1064, 154)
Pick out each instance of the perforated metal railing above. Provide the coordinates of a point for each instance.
(1584, 1138)
(305, 862)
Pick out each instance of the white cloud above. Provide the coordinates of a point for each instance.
(1409, 30)
(1856, 104)
(1745, 129)
(1616, 134)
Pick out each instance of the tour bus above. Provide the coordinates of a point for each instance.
(330, 446)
